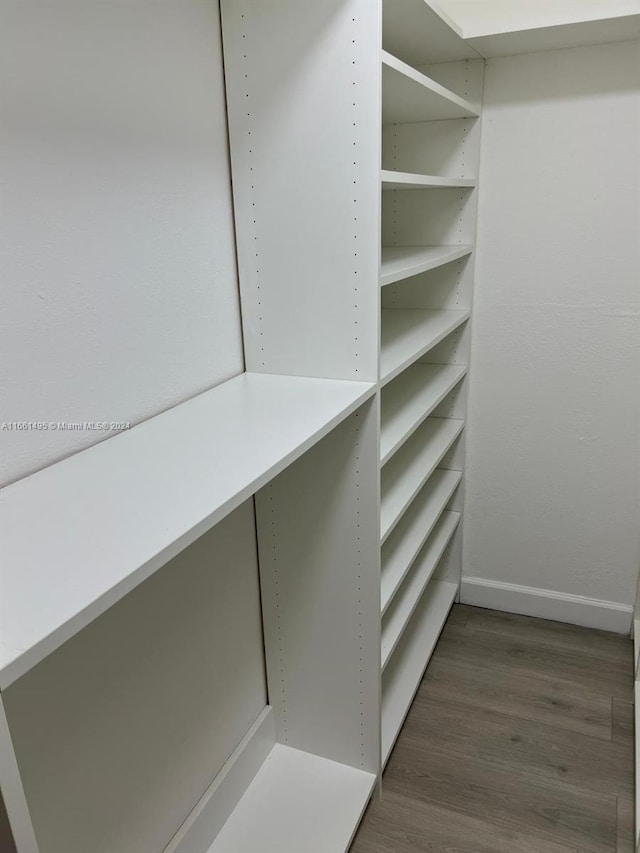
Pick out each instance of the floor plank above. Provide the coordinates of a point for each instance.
(622, 722)
(466, 785)
(555, 703)
(401, 824)
(625, 825)
(523, 747)
(519, 741)
(542, 660)
(600, 643)
(459, 615)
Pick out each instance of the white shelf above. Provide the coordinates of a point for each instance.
(413, 181)
(410, 398)
(80, 534)
(409, 96)
(402, 676)
(413, 530)
(416, 32)
(399, 262)
(297, 802)
(408, 333)
(405, 602)
(570, 34)
(405, 474)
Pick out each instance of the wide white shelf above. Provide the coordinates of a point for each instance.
(408, 333)
(399, 262)
(405, 602)
(406, 472)
(576, 33)
(403, 674)
(79, 535)
(413, 530)
(414, 181)
(297, 802)
(409, 96)
(410, 398)
(419, 34)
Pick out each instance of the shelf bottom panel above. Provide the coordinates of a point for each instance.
(410, 658)
(297, 802)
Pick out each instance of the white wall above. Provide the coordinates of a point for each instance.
(553, 474)
(480, 17)
(119, 294)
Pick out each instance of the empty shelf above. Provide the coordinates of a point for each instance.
(414, 31)
(413, 530)
(399, 262)
(411, 181)
(406, 472)
(408, 597)
(79, 535)
(408, 333)
(297, 802)
(410, 398)
(403, 674)
(587, 29)
(408, 96)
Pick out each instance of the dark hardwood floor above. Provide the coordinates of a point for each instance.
(520, 740)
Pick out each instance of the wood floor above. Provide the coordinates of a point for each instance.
(520, 740)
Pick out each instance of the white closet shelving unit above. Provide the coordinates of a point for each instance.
(431, 92)
(354, 146)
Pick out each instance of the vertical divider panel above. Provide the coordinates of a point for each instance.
(320, 573)
(303, 92)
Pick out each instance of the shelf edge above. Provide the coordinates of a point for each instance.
(417, 677)
(427, 83)
(455, 254)
(397, 370)
(416, 424)
(407, 503)
(429, 575)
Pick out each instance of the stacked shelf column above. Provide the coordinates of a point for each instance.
(430, 149)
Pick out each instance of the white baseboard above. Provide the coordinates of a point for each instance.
(547, 604)
(205, 821)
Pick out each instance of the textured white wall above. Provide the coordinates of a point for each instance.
(119, 294)
(553, 475)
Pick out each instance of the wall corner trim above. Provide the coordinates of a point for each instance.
(547, 604)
